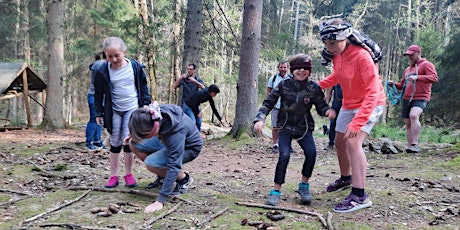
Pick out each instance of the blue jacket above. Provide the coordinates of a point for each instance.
(103, 91)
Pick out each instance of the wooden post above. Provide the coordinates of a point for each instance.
(26, 97)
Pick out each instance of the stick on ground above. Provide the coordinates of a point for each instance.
(151, 221)
(212, 217)
(55, 209)
(320, 216)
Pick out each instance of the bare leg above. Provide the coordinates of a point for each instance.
(129, 159)
(114, 159)
(408, 132)
(359, 162)
(415, 125)
(275, 135)
(343, 155)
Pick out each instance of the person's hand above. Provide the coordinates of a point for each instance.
(200, 114)
(126, 140)
(100, 121)
(413, 77)
(222, 123)
(154, 207)
(350, 133)
(331, 114)
(258, 126)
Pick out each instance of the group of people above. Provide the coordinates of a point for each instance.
(358, 100)
(119, 101)
(167, 136)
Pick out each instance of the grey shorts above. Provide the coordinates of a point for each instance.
(346, 115)
(274, 117)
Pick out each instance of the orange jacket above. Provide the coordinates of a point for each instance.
(361, 83)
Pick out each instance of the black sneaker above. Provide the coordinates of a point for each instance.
(182, 188)
(156, 184)
(275, 149)
(329, 147)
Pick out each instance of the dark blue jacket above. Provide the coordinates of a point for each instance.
(103, 91)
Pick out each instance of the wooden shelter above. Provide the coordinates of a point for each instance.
(19, 80)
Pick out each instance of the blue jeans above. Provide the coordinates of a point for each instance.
(156, 150)
(189, 112)
(307, 143)
(93, 130)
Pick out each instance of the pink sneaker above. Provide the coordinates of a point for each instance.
(112, 183)
(130, 182)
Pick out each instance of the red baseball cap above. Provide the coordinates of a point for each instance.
(412, 49)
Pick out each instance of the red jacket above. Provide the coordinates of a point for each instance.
(426, 77)
(361, 83)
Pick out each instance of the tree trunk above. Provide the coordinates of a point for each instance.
(54, 105)
(192, 37)
(175, 57)
(246, 98)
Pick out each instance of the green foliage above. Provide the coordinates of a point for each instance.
(428, 134)
(60, 167)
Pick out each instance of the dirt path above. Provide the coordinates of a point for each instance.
(408, 191)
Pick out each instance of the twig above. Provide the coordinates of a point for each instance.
(42, 169)
(320, 216)
(98, 189)
(212, 217)
(184, 200)
(151, 221)
(14, 201)
(16, 192)
(131, 191)
(57, 208)
(72, 226)
(329, 221)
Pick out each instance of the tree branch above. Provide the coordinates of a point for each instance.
(320, 216)
(57, 208)
(212, 217)
(151, 221)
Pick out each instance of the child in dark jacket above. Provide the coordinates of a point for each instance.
(298, 95)
(182, 143)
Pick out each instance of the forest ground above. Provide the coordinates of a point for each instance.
(49, 181)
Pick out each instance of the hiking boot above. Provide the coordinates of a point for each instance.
(329, 147)
(413, 149)
(338, 185)
(112, 183)
(156, 184)
(130, 182)
(273, 198)
(352, 203)
(304, 192)
(182, 188)
(275, 149)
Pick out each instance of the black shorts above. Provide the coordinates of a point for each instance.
(406, 106)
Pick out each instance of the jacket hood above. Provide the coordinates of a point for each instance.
(172, 116)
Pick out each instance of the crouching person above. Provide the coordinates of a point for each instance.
(181, 141)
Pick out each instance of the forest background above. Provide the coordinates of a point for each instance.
(167, 35)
